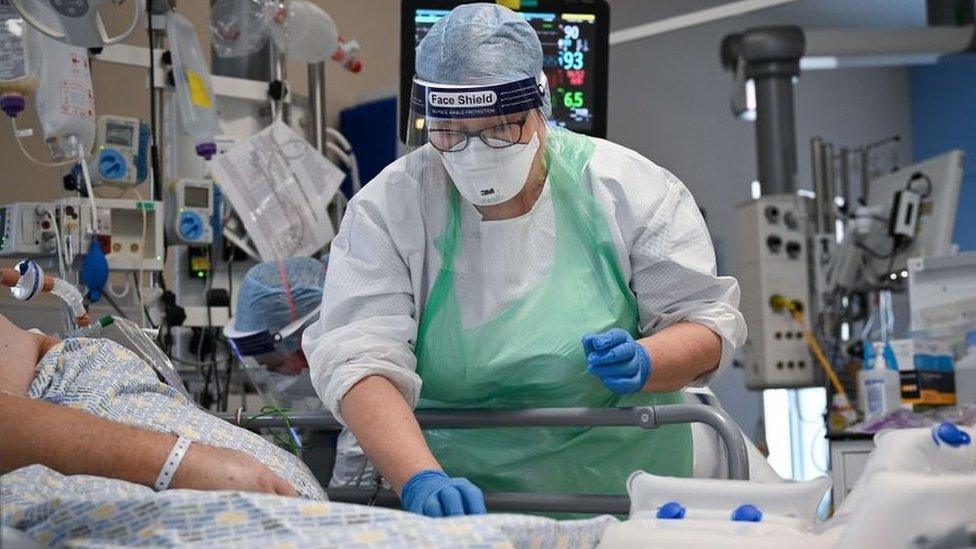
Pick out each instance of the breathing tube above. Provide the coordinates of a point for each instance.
(27, 279)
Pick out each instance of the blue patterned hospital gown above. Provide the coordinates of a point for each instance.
(82, 511)
(105, 379)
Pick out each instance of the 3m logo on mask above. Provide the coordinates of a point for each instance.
(462, 99)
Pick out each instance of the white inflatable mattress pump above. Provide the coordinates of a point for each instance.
(917, 489)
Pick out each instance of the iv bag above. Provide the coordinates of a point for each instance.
(238, 27)
(65, 100)
(18, 62)
(194, 93)
(302, 30)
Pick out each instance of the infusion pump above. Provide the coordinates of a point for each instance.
(192, 211)
(121, 157)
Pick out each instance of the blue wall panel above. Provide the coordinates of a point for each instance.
(943, 118)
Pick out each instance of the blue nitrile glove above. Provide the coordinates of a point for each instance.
(434, 494)
(621, 363)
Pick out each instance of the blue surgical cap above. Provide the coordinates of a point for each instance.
(479, 45)
(262, 301)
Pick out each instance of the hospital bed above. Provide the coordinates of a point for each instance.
(644, 417)
(936, 468)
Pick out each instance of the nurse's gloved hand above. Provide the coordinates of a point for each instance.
(434, 494)
(621, 363)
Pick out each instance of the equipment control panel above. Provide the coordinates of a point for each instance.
(190, 220)
(774, 268)
(130, 231)
(27, 230)
(121, 146)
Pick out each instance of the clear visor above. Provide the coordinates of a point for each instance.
(484, 140)
(282, 361)
(279, 352)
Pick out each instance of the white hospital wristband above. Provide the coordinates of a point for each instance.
(172, 463)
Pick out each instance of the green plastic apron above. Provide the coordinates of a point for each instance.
(530, 356)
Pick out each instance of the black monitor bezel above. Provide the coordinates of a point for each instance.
(600, 8)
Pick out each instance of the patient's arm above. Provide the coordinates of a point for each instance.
(20, 351)
(73, 442)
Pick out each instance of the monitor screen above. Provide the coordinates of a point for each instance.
(196, 197)
(574, 37)
(938, 180)
(119, 134)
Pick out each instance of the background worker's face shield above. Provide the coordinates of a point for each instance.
(278, 352)
(274, 362)
(486, 140)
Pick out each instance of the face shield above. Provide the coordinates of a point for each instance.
(274, 362)
(485, 139)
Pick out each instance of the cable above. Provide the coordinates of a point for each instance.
(227, 376)
(67, 317)
(295, 445)
(82, 159)
(797, 314)
(23, 150)
(210, 332)
(116, 197)
(110, 289)
(57, 242)
(230, 285)
(873, 253)
(230, 295)
(813, 457)
(153, 121)
(196, 364)
(239, 242)
(145, 309)
(357, 182)
(916, 177)
(352, 163)
(203, 372)
(142, 259)
(337, 135)
(212, 373)
(115, 306)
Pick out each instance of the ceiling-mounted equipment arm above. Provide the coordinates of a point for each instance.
(693, 19)
(83, 25)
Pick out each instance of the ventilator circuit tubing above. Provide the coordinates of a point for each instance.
(70, 295)
(53, 285)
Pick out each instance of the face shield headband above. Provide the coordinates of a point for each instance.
(445, 101)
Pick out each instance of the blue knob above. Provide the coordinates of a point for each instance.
(747, 513)
(950, 434)
(671, 510)
(191, 226)
(111, 164)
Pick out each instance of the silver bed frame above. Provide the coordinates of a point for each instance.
(645, 417)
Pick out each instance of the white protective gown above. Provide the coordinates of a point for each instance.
(384, 260)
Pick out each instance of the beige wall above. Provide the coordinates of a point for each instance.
(122, 90)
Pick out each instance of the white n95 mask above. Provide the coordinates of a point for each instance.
(485, 175)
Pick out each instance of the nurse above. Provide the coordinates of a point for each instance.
(506, 263)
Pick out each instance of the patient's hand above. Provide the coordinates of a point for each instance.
(211, 468)
(74, 442)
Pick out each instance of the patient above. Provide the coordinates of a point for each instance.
(92, 407)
